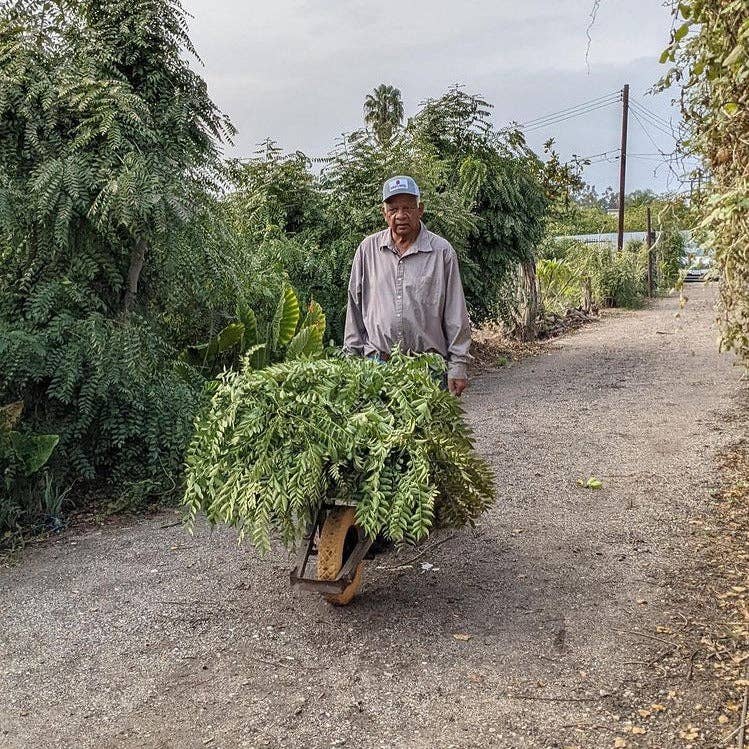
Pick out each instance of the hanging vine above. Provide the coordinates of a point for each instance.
(709, 50)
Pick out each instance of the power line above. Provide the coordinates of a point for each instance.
(568, 117)
(604, 155)
(653, 114)
(598, 158)
(666, 158)
(647, 133)
(666, 130)
(601, 100)
(566, 110)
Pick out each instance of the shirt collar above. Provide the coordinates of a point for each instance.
(422, 243)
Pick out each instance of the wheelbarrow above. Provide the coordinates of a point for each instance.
(340, 547)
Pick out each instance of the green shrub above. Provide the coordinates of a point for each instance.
(287, 335)
(22, 457)
(109, 162)
(559, 283)
(668, 250)
(558, 248)
(710, 54)
(108, 388)
(616, 278)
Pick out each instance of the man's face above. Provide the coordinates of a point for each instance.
(403, 215)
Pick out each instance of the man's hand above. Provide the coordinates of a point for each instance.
(456, 387)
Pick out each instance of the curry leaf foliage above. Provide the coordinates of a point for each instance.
(276, 443)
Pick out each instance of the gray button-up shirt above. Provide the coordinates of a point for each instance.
(414, 300)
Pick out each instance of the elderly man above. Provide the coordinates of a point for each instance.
(405, 289)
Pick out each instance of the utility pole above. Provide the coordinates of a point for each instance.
(623, 166)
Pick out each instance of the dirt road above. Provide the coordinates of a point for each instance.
(543, 627)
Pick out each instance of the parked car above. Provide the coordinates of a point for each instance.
(696, 264)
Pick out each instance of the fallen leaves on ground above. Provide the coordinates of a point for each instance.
(591, 483)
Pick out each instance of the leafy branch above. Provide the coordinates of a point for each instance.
(275, 443)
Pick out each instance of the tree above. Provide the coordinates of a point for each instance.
(108, 159)
(638, 198)
(499, 180)
(561, 180)
(383, 112)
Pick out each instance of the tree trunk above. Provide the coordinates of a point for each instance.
(587, 299)
(137, 258)
(526, 325)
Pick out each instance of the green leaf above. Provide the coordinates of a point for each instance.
(734, 56)
(229, 337)
(315, 316)
(306, 343)
(681, 32)
(206, 354)
(33, 450)
(299, 344)
(249, 320)
(731, 108)
(315, 322)
(665, 55)
(591, 483)
(286, 318)
(257, 356)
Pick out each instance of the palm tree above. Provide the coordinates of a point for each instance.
(383, 112)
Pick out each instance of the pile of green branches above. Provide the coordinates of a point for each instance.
(277, 442)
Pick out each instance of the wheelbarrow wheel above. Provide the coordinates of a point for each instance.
(338, 538)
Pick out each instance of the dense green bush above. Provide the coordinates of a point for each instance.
(560, 285)
(668, 253)
(481, 188)
(108, 165)
(584, 219)
(615, 279)
(22, 456)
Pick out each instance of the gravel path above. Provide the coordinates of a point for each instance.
(136, 635)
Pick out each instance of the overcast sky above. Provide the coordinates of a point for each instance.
(298, 70)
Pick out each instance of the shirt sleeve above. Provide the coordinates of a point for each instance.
(355, 334)
(455, 323)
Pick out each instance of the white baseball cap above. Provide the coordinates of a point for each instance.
(401, 185)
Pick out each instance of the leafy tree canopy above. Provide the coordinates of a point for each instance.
(383, 112)
(109, 164)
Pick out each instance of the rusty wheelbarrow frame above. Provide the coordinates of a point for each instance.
(301, 578)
